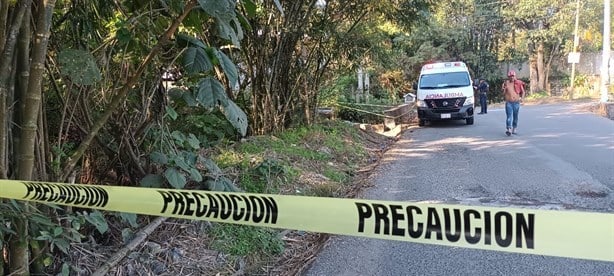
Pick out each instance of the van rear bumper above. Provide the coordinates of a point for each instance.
(430, 114)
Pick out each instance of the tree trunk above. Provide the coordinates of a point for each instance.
(4, 9)
(4, 12)
(28, 127)
(39, 249)
(34, 94)
(18, 245)
(6, 62)
(38, 257)
(22, 76)
(18, 248)
(5, 78)
(549, 65)
(541, 70)
(533, 75)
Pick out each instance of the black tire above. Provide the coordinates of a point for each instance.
(421, 122)
(470, 121)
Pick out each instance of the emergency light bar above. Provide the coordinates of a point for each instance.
(431, 66)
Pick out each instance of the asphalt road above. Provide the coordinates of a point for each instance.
(562, 158)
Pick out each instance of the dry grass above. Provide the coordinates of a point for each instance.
(301, 250)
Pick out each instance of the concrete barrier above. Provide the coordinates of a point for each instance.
(326, 112)
(607, 110)
(401, 114)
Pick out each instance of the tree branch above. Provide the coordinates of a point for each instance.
(119, 255)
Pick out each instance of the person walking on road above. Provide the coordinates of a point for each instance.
(482, 89)
(513, 91)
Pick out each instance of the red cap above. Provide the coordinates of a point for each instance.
(511, 73)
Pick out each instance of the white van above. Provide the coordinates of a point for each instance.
(445, 92)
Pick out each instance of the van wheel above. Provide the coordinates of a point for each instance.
(421, 122)
(470, 121)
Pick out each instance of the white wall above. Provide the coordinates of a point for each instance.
(590, 64)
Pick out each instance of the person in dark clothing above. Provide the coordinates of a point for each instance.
(482, 89)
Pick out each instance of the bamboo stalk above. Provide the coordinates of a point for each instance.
(119, 98)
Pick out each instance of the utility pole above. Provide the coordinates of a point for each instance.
(605, 55)
(576, 41)
(361, 88)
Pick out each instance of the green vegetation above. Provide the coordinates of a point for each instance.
(335, 175)
(318, 160)
(242, 240)
(272, 163)
(538, 95)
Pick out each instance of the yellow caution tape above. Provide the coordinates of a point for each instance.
(582, 235)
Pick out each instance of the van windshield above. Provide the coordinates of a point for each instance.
(444, 80)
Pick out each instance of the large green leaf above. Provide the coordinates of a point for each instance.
(130, 218)
(193, 141)
(65, 269)
(244, 22)
(228, 66)
(190, 157)
(159, 157)
(175, 178)
(211, 166)
(217, 181)
(218, 8)
(231, 30)
(58, 231)
(179, 137)
(196, 60)
(195, 175)
(211, 93)
(79, 66)
(224, 13)
(62, 244)
(189, 99)
(97, 219)
(176, 93)
(188, 40)
(213, 185)
(152, 181)
(250, 7)
(236, 117)
(180, 162)
(170, 111)
(195, 19)
(222, 184)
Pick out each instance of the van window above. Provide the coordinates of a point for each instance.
(444, 80)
